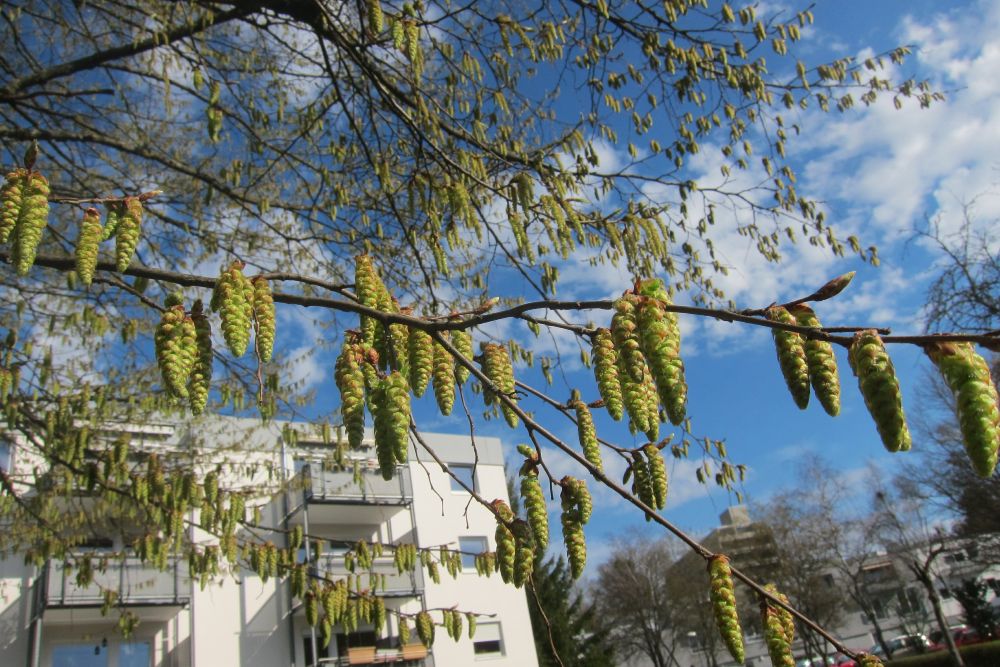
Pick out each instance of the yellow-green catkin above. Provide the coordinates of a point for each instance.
(657, 474)
(498, 368)
(368, 287)
(200, 381)
(392, 422)
(111, 220)
(11, 200)
(660, 337)
(880, 389)
(32, 218)
(723, 599)
(87, 242)
(968, 377)
(587, 432)
(127, 232)
(572, 529)
(524, 552)
(791, 356)
(263, 317)
(869, 660)
(506, 545)
(176, 349)
(779, 629)
(606, 372)
(778, 646)
(376, 20)
(633, 373)
(821, 360)
(534, 507)
(443, 378)
(425, 628)
(350, 381)
(421, 349)
(461, 340)
(233, 299)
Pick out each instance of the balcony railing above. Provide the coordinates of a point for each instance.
(390, 582)
(134, 582)
(367, 487)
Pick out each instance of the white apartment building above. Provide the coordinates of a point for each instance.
(47, 620)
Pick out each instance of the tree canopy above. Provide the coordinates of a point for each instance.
(417, 174)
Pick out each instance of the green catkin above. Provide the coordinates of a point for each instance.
(498, 368)
(86, 245)
(263, 317)
(443, 378)
(778, 646)
(633, 373)
(200, 380)
(657, 475)
(821, 360)
(369, 288)
(111, 220)
(32, 217)
(524, 552)
(642, 483)
(534, 506)
(572, 529)
(660, 338)
(791, 356)
(470, 620)
(399, 344)
(421, 349)
(723, 600)
(782, 622)
(11, 200)
(425, 628)
(392, 422)
(606, 372)
(968, 377)
(376, 20)
(587, 433)
(350, 381)
(176, 349)
(880, 389)
(506, 545)
(233, 299)
(127, 232)
(462, 341)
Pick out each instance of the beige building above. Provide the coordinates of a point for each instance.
(47, 620)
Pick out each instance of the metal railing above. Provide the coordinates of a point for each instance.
(367, 486)
(387, 579)
(134, 582)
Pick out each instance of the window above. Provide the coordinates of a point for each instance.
(79, 655)
(5, 455)
(470, 546)
(489, 640)
(134, 654)
(466, 474)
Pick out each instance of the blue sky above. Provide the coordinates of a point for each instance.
(881, 173)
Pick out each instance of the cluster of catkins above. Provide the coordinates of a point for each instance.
(245, 304)
(805, 361)
(183, 344)
(123, 222)
(380, 365)
(576, 509)
(648, 472)
(24, 213)
(637, 362)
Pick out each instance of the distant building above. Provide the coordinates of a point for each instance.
(47, 620)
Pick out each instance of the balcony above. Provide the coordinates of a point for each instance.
(407, 584)
(136, 584)
(342, 486)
